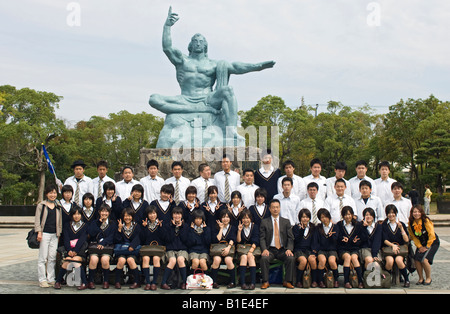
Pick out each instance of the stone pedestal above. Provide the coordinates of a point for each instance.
(241, 157)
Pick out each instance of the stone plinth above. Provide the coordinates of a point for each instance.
(242, 158)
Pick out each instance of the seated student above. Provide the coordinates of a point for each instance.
(312, 202)
(89, 212)
(102, 232)
(260, 210)
(199, 240)
(75, 244)
(248, 233)
(66, 203)
(371, 242)
(367, 199)
(236, 206)
(128, 239)
(137, 202)
(304, 247)
(394, 235)
(225, 232)
(151, 231)
(290, 203)
(326, 246)
(248, 188)
(402, 204)
(212, 207)
(111, 199)
(165, 203)
(175, 236)
(350, 233)
(190, 204)
(152, 183)
(276, 241)
(335, 202)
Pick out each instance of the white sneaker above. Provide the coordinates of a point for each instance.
(44, 284)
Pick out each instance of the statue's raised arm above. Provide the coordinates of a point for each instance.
(175, 56)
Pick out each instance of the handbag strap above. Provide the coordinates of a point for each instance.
(154, 242)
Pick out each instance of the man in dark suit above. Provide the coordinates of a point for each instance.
(276, 241)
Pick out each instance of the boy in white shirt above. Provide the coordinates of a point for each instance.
(179, 182)
(361, 170)
(340, 168)
(221, 178)
(403, 204)
(152, 183)
(336, 202)
(123, 188)
(384, 183)
(316, 168)
(312, 202)
(368, 200)
(290, 203)
(203, 182)
(79, 182)
(299, 186)
(96, 186)
(248, 188)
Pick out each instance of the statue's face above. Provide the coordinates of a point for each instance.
(198, 44)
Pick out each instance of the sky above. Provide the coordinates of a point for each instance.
(104, 56)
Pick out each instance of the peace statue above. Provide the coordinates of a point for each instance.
(201, 116)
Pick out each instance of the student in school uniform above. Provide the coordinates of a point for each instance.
(304, 247)
(137, 202)
(66, 203)
(165, 203)
(203, 182)
(290, 203)
(88, 210)
(312, 202)
(361, 170)
(384, 182)
(248, 234)
(226, 180)
(402, 204)
(350, 235)
(79, 182)
(48, 225)
(260, 210)
(96, 185)
(128, 239)
(175, 237)
(335, 202)
(152, 183)
(102, 232)
(326, 237)
(212, 207)
(123, 187)
(179, 182)
(199, 240)
(367, 199)
(225, 232)
(190, 204)
(110, 198)
(340, 168)
(151, 231)
(395, 234)
(315, 176)
(248, 188)
(298, 184)
(267, 176)
(371, 242)
(235, 207)
(75, 244)
(276, 241)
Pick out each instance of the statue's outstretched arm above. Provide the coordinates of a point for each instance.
(242, 68)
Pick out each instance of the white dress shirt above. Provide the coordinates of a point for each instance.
(152, 187)
(248, 193)
(373, 202)
(354, 186)
(298, 186)
(123, 189)
(182, 185)
(234, 179)
(330, 187)
(308, 203)
(321, 182)
(383, 189)
(83, 183)
(332, 203)
(93, 188)
(289, 207)
(200, 184)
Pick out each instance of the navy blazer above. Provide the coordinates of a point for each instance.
(302, 242)
(253, 237)
(103, 237)
(199, 242)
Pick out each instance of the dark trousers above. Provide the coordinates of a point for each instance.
(274, 253)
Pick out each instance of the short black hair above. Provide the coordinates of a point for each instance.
(315, 161)
(384, 163)
(177, 163)
(361, 163)
(103, 163)
(340, 180)
(312, 185)
(365, 183)
(152, 162)
(340, 165)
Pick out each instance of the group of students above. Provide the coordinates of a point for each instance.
(306, 222)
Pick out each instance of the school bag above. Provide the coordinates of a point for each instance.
(199, 281)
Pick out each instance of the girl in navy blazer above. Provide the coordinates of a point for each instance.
(137, 202)
(152, 230)
(190, 204)
(371, 242)
(165, 203)
(260, 210)
(212, 207)
(199, 240)
(304, 247)
(248, 234)
(102, 232)
(110, 198)
(75, 245)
